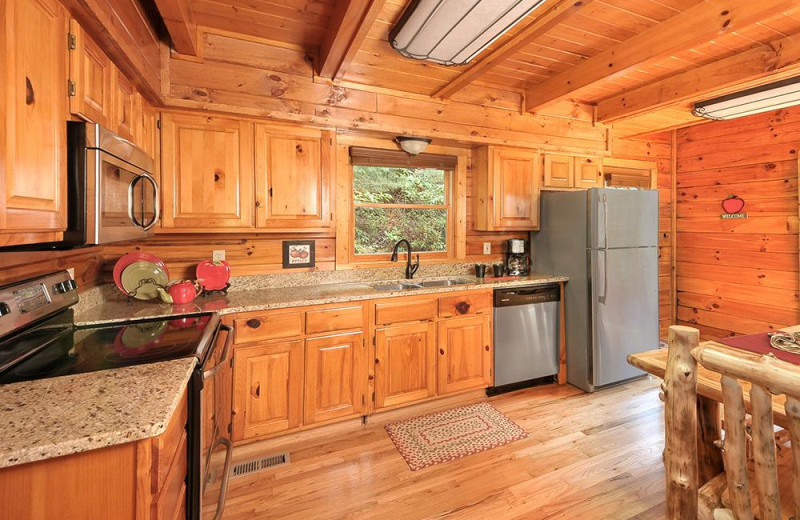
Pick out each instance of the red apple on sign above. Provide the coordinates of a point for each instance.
(733, 204)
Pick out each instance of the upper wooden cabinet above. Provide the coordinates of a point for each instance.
(127, 107)
(91, 79)
(33, 110)
(293, 178)
(147, 132)
(206, 173)
(568, 171)
(506, 189)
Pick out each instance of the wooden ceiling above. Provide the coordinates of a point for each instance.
(642, 63)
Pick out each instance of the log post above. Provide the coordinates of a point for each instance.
(680, 413)
(709, 456)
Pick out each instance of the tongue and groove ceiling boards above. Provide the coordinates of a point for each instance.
(641, 63)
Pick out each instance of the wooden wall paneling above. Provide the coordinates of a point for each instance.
(252, 77)
(87, 262)
(33, 106)
(738, 276)
(124, 30)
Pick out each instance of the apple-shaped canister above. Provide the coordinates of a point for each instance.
(213, 275)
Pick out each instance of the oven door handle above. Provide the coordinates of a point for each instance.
(226, 475)
(228, 340)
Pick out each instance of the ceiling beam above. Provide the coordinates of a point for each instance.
(766, 63)
(347, 30)
(182, 29)
(554, 12)
(698, 24)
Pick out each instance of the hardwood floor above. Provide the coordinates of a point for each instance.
(592, 456)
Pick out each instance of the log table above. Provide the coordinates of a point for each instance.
(709, 397)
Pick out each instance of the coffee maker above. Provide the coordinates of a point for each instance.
(518, 263)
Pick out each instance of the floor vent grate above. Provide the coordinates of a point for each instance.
(260, 464)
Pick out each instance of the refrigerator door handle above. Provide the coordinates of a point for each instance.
(605, 220)
(602, 294)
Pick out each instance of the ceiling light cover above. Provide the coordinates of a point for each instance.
(413, 145)
(453, 32)
(752, 101)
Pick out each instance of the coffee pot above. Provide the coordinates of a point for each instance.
(517, 262)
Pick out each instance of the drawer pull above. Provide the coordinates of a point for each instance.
(462, 307)
(487, 348)
(254, 323)
(441, 351)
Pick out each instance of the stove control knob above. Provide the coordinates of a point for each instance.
(61, 287)
(4, 309)
(72, 284)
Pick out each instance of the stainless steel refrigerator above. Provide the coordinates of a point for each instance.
(606, 241)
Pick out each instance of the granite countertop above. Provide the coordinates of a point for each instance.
(48, 418)
(243, 300)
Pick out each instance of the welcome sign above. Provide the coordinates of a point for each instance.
(733, 206)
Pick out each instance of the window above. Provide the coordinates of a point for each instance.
(396, 196)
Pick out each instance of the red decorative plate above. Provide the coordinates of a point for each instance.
(130, 258)
(213, 276)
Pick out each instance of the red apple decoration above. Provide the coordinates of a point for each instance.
(733, 204)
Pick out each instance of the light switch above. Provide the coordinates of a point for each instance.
(218, 255)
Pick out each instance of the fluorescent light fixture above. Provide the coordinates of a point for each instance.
(756, 100)
(413, 145)
(453, 32)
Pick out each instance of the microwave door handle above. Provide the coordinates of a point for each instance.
(156, 202)
(131, 188)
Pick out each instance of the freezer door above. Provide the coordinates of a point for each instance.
(623, 218)
(624, 310)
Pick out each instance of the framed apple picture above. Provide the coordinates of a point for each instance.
(298, 254)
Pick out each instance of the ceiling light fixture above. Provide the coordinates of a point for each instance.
(453, 32)
(413, 145)
(756, 100)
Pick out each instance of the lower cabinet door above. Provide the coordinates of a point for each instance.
(267, 389)
(336, 376)
(465, 354)
(405, 369)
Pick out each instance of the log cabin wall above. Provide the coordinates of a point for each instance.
(738, 276)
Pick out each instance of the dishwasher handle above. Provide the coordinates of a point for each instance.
(527, 295)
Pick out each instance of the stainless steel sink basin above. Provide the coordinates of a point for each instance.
(445, 283)
(396, 287)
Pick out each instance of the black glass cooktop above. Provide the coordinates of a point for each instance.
(57, 347)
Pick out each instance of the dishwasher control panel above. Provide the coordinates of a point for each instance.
(527, 295)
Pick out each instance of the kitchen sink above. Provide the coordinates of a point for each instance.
(396, 287)
(445, 283)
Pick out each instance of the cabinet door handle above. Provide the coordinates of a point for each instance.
(253, 323)
(487, 348)
(30, 96)
(256, 390)
(441, 351)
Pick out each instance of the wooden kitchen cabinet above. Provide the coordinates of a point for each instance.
(91, 79)
(336, 377)
(33, 108)
(506, 188)
(293, 178)
(465, 354)
(267, 388)
(127, 108)
(405, 364)
(206, 173)
(147, 133)
(568, 172)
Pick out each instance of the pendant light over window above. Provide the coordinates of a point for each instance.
(453, 32)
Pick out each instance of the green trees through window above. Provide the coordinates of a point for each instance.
(394, 203)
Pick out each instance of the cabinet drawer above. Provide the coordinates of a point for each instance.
(173, 493)
(329, 320)
(464, 304)
(166, 447)
(268, 326)
(405, 311)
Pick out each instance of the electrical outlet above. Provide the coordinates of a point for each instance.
(218, 255)
(487, 248)
(71, 271)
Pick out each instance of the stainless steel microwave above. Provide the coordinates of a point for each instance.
(112, 194)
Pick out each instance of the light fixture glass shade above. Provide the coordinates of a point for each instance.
(413, 145)
(453, 32)
(752, 101)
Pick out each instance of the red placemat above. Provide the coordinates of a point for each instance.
(759, 343)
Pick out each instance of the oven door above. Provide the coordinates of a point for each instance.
(126, 200)
(215, 444)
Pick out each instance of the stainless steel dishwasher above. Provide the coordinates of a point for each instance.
(526, 335)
